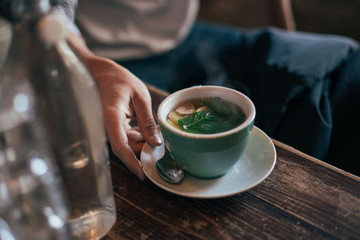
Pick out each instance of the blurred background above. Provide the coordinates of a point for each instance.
(318, 16)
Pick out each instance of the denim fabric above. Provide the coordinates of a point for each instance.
(306, 87)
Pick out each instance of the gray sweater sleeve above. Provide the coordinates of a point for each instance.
(64, 7)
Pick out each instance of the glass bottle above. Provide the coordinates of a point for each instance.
(32, 198)
(68, 111)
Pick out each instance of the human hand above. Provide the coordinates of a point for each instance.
(123, 96)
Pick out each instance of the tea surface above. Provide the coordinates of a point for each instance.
(206, 116)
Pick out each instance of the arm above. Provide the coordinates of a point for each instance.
(280, 14)
(123, 96)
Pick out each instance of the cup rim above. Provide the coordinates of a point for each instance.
(242, 126)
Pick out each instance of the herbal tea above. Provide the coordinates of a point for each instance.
(206, 116)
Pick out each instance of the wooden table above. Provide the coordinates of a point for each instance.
(303, 198)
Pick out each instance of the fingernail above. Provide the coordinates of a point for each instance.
(157, 138)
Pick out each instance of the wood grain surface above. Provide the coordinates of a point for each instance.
(301, 199)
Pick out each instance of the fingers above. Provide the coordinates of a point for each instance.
(115, 123)
(124, 95)
(135, 134)
(135, 139)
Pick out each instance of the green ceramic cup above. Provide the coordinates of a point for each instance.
(206, 155)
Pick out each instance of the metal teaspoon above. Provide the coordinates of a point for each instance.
(168, 169)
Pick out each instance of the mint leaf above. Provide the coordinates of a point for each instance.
(205, 122)
(197, 118)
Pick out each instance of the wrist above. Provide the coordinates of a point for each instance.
(96, 64)
(99, 65)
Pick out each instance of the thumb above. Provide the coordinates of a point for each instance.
(149, 129)
(147, 124)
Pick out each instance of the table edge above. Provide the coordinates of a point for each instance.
(311, 158)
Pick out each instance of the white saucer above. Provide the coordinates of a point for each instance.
(254, 166)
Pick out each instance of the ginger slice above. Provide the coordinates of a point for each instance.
(186, 108)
